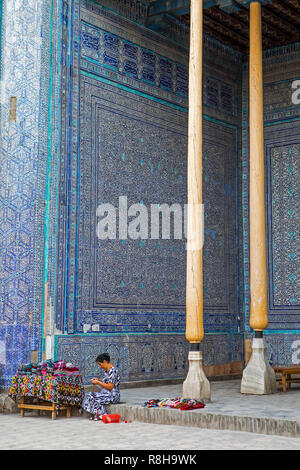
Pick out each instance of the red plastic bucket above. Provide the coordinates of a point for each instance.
(111, 419)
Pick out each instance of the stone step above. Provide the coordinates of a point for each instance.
(201, 419)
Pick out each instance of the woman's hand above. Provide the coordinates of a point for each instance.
(96, 381)
(108, 386)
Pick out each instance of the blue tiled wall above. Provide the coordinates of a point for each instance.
(25, 62)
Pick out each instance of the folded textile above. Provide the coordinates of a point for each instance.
(48, 367)
(192, 407)
(175, 403)
(59, 365)
(66, 372)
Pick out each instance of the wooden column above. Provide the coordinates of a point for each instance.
(258, 253)
(196, 384)
(194, 279)
(258, 377)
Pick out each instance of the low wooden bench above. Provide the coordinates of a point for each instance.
(286, 375)
(48, 406)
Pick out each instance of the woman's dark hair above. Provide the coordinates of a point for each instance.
(103, 357)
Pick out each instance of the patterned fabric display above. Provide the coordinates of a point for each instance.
(62, 390)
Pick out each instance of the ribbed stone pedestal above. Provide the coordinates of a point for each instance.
(258, 377)
(196, 385)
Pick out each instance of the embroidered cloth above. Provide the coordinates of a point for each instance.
(62, 390)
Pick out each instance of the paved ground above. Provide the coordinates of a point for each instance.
(41, 432)
(227, 399)
(80, 433)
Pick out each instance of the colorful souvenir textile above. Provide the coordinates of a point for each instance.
(95, 402)
(175, 403)
(192, 406)
(49, 367)
(62, 390)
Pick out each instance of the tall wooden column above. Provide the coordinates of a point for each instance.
(258, 377)
(196, 384)
(258, 251)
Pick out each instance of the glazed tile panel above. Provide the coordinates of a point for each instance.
(25, 56)
(144, 142)
(146, 357)
(132, 121)
(283, 168)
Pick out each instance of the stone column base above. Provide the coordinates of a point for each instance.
(196, 385)
(258, 377)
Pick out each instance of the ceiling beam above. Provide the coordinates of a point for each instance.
(266, 35)
(182, 7)
(222, 38)
(269, 14)
(242, 39)
(292, 18)
(160, 7)
(230, 18)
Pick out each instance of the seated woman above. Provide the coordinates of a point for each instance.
(95, 402)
